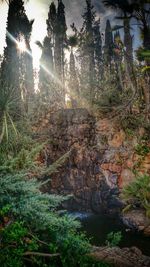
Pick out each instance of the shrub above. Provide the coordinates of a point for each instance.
(139, 191)
(131, 122)
(113, 239)
(142, 149)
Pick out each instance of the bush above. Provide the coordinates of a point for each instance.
(60, 246)
(131, 122)
(31, 226)
(139, 192)
(26, 213)
(113, 239)
(142, 149)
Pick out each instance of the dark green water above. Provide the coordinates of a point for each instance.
(98, 226)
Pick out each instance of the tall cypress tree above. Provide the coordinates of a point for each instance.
(28, 64)
(46, 70)
(51, 22)
(128, 43)
(108, 47)
(98, 51)
(51, 72)
(125, 8)
(87, 48)
(73, 79)
(118, 57)
(10, 64)
(60, 40)
(18, 28)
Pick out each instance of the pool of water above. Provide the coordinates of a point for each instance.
(97, 227)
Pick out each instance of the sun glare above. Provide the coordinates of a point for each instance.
(22, 46)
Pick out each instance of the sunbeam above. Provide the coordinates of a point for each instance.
(22, 47)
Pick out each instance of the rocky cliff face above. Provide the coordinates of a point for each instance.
(99, 163)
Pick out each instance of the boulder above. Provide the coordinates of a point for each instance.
(117, 140)
(136, 220)
(125, 257)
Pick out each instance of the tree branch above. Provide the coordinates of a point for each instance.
(32, 253)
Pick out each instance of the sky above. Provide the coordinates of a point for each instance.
(38, 10)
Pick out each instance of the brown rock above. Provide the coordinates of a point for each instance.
(129, 163)
(137, 219)
(127, 177)
(141, 131)
(145, 165)
(104, 126)
(125, 257)
(147, 231)
(111, 167)
(117, 139)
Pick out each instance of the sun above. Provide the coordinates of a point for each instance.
(22, 46)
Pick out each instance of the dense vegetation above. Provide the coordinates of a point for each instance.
(33, 231)
(104, 74)
(137, 194)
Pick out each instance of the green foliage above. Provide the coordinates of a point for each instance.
(18, 240)
(27, 214)
(90, 262)
(11, 147)
(55, 166)
(131, 122)
(72, 40)
(31, 225)
(113, 239)
(30, 211)
(146, 68)
(129, 132)
(139, 192)
(127, 208)
(7, 111)
(143, 54)
(13, 244)
(5, 210)
(27, 202)
(142, 149)
(108, 96)
(24, 160)
(73, 249)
